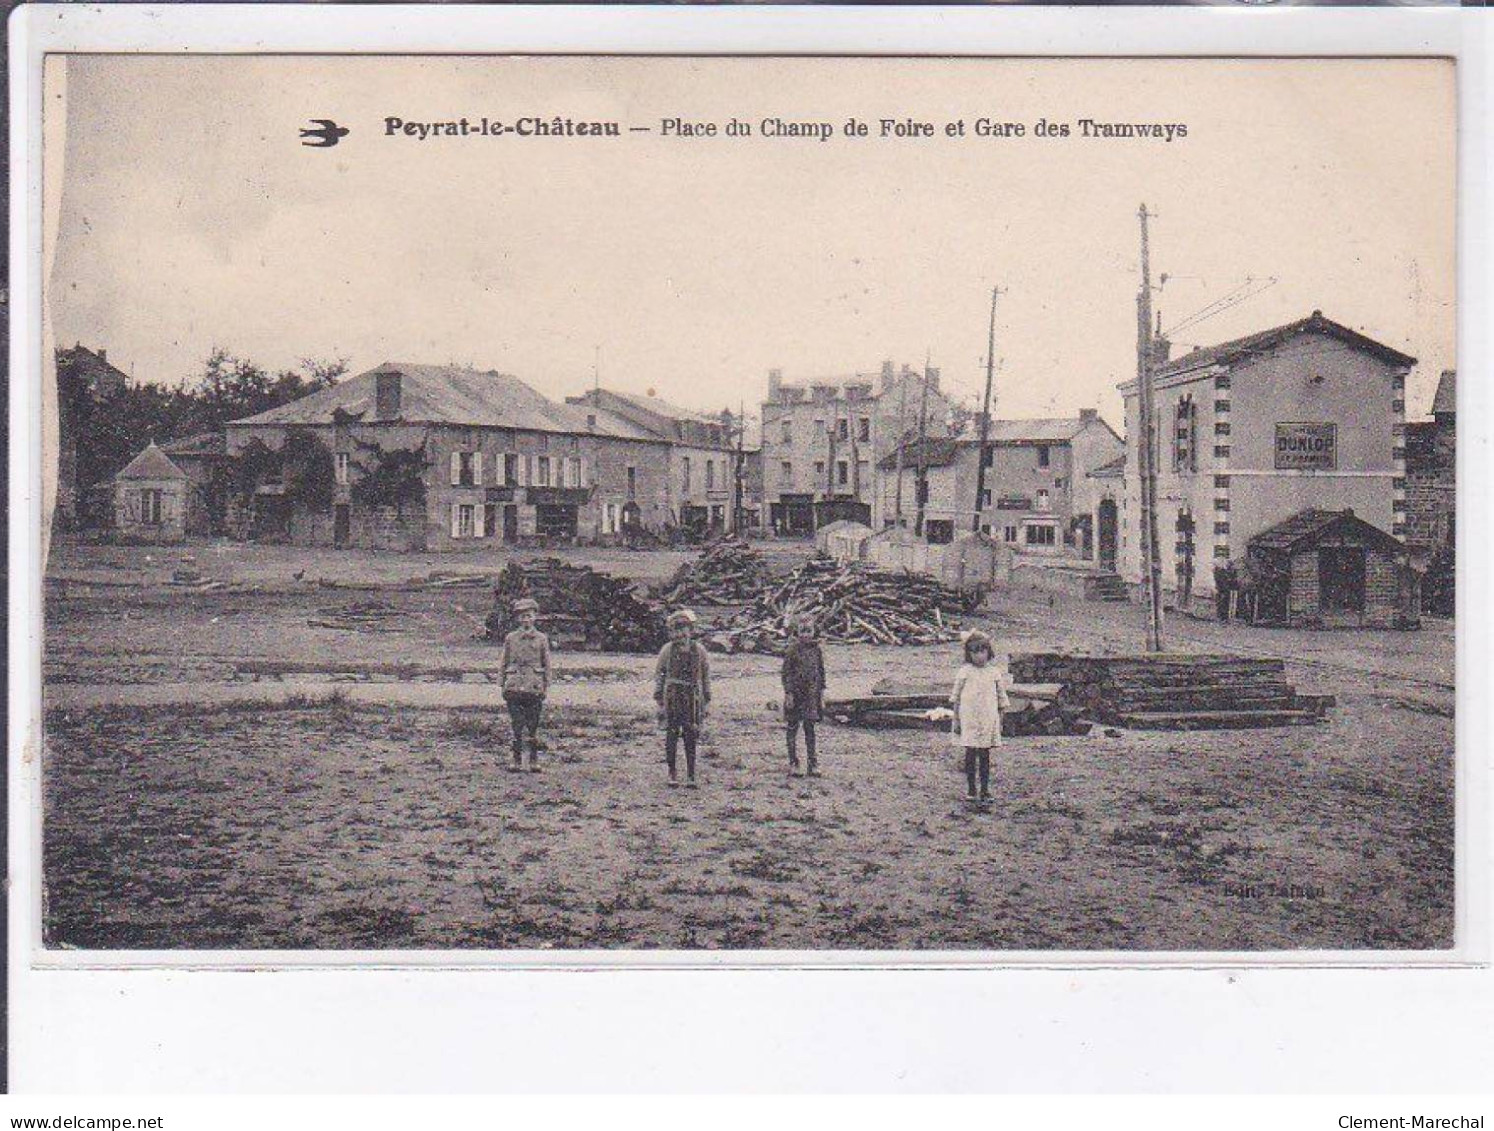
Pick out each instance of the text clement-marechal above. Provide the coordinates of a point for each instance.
(494, 127)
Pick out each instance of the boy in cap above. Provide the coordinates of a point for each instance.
(682, 691)
(524, 671)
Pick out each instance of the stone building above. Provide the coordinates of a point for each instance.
(150, 499)
(409, 456)
(1431, 472)
(1305, 416)
(704, 460)
(1331, 569)
(86, 382)
(823, 441)
(209, 469)
(1038, 497)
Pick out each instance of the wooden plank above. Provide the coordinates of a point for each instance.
(1215, 720)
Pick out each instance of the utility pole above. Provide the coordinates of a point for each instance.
(921, 483)
(741, 469)
(985, 419)
(1151, 552)
(902, 441)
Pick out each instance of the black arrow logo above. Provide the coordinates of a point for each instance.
(328, 134)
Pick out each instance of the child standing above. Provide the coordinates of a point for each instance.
(524, 672)
(978, 698)
(682, 691)
(803, 691)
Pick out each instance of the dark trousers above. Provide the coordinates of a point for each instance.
(793, 741)
(978, 758)
(673, 732)
(1221, 603)
(524, 709)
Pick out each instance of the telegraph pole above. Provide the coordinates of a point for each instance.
(902, 441)
(921, 484)
(1151, 552)
(985, 418)
(740, 469)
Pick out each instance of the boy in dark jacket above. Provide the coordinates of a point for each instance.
(524, 671)
(803, 692)
(682, 691)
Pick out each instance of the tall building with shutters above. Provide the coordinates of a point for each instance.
(409, 456)
(823, 440)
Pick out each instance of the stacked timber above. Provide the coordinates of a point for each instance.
(579, 608)
(1033, 711)
(1174, 691)
(850, 602)
(727, 573)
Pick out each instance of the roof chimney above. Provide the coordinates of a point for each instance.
(1161, 350)
(103, 355)
(775, 383)
(889, 376)
(1088, 415)
(386, 395)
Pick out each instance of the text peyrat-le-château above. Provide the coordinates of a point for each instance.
(776, 128)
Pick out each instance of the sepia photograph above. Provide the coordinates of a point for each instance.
(986, 506)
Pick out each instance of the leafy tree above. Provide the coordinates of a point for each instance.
(111, 431)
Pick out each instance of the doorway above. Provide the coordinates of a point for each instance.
(1341, 579)
(1108, 534)
(342, 526)
(511, 523)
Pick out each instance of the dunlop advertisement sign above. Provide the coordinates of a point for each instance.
(1310, 447)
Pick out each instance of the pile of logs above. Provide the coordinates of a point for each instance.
(1174, 691)
(1033, 711)
(580, 608)
(850, 603)
(727, 573)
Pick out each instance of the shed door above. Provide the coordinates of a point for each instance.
(1341, 579)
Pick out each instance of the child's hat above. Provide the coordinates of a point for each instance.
(681, 617)
(526, 605)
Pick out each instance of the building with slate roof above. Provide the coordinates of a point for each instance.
(445, 458)
(150, 499)
(705, 461)
(1309, 415)
(1038, 495)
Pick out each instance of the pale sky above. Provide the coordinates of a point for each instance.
(192, 217)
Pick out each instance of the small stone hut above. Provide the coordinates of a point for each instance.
(150, 499)
(1331, 569)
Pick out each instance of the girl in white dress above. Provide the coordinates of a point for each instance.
(978, 698)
